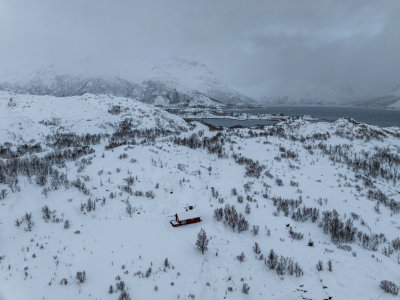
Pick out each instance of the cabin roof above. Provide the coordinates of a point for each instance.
(189, 214)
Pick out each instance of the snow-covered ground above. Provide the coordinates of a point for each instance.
(163, 164)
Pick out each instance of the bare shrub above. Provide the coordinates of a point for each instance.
(241, 257)
(81, 276)
(320, 266)
(245, 288)
(67, 224)
(389, 287)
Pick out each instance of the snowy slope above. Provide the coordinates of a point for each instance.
(157, 174)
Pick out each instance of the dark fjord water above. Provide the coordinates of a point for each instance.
(372, 116)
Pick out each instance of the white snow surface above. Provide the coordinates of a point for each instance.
(110, 245)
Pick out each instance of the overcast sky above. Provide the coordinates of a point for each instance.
(260, 47)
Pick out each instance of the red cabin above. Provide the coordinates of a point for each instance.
(187, 217)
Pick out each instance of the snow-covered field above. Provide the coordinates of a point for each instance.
(101, 204)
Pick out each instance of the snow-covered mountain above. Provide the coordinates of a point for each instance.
(395, 105)
(196, 80)
(172, 83)
(334, 95)
(390, 100)
(395, 93)
(296, 210)
(315, 95)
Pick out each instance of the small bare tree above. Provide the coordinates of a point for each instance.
(256, 248)
(81, 276)
(129, 209)
(320, 266)
(329, 265)
(202, 241)
(245, 288)
(241, 257)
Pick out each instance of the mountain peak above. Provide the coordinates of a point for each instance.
(184, 73)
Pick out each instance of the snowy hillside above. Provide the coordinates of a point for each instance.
(172, 83)
(89, 184)
(26, 117)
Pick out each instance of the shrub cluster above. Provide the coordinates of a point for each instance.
(377, 195)
(345, 232)
(40, 168)
(338, 230)
(66, 140)
(286, 205)
(389, 287)
(380, 163)
(295, 235)
(253, 168)
(214, 145)
(305, 213)
(126, 134)
(231, 217)
(6, 151)
(27, 219)
(282, 264)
